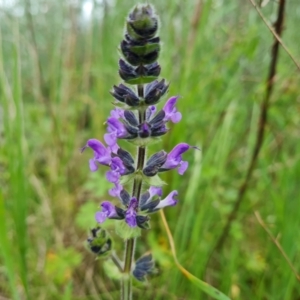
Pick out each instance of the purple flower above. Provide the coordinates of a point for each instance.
(102, 155)
(116, 126)
(174, 159)
(130, 216)
(171, 111)
(108, 211)
(117, 169)
(116, 190)
(115, 129)
(170, 200)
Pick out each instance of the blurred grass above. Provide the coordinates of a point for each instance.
(56, 70)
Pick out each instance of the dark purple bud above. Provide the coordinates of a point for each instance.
(144, 33)
(144, 266)
(149, 70)
(131, 118)
(124, 197)
(158, 119)
(127, 71)
(144, 130)
(125, 95)
(138, 55)
(159, 131)
(99, 243)
(142, 222)
(144, 198)
(154, 91)
(127, 160)
(139, 274)
(150, 206)
(154, 163)
(146, 202)
(131, 130)
(131, 57)
(120, 212)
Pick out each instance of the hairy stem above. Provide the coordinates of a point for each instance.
(126, 286)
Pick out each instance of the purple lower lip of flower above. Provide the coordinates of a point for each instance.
(116, 190)
(170, 110)
(113, 176)
(170, 200)
(108, 211)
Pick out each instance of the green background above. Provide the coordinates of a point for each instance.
(57, 66)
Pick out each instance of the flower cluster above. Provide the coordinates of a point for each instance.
(136, 119)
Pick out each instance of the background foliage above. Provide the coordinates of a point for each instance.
(58, 61)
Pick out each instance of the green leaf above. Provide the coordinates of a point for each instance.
(141, 80)
(145, 49)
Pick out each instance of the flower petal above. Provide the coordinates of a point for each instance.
(130, 216)
(171, 111)
(114, 125)
(183, 167)
(101, 153)
(153, 191)
(108, 211)
(93, 165)
(170, 200)
(174, 157)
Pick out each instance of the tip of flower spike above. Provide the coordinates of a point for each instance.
(142, 22)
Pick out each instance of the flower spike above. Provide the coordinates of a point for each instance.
(135, 118)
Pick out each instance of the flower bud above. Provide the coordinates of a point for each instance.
(99, 243)
(125, 95)
(137, 55)
(154, 91)
(144, 266)
(142, 22)
(154, 163)
(138, 75)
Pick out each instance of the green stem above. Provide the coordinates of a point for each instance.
(126, 285)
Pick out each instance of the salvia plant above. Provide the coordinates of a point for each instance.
(135, 118)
